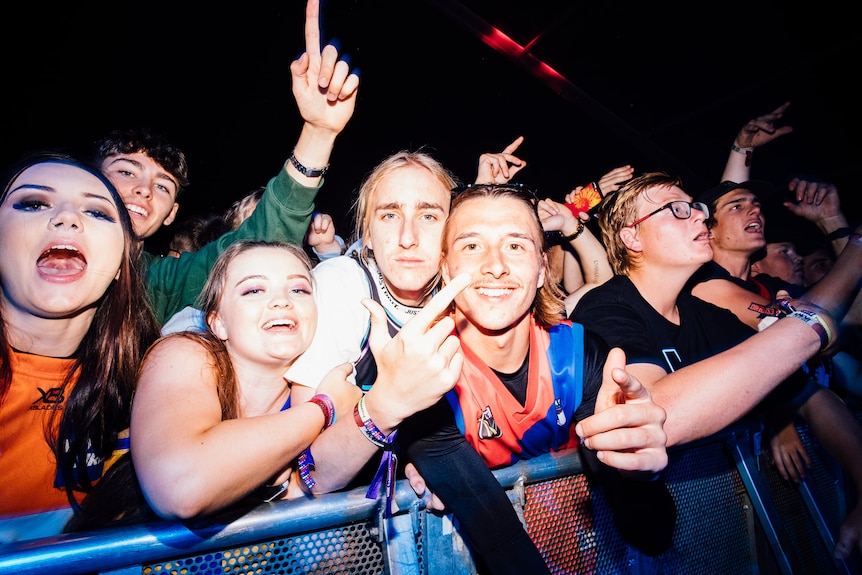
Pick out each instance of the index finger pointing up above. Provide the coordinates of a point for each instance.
(312, 32)
(438, 304)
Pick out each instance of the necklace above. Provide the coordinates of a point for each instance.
(391, 304)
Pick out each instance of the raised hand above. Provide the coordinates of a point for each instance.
(611, 181)
(420, 364)
(762, 130)
(321, 234)
(815, 201)
(323, 86)
(557, 217)
(502, 167)
(626, 429)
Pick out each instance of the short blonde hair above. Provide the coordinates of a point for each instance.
(619, 208)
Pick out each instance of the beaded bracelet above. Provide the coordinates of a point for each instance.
(384, 478)
(324, 402)
(367, 426)
(576, 233)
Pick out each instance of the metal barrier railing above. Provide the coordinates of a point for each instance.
(733, 516)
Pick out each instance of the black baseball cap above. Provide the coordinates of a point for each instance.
(763, 190)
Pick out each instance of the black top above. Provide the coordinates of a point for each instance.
(618, 313)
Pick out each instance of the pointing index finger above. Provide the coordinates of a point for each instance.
(312, 32)
(510, 149)
(439, 303)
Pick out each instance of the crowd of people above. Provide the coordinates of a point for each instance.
(462, 326)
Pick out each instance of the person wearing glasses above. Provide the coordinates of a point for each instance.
(657, 239)
(641, 309)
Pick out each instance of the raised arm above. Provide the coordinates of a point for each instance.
(592, 259)
(754, 133)
(325, 93)
(819, 203)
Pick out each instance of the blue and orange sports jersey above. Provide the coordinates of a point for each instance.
(497, 425)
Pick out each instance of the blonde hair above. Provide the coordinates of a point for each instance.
(403, 159)
(618, 209)
(363, 206)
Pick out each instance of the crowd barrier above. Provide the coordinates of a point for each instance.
(734, 515)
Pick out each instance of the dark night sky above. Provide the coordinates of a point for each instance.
(663, 86)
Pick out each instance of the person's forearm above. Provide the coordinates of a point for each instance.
(835, 291)
(312, 150)
(703, 398)
(342, 450)
(738, 166)
(594, 259)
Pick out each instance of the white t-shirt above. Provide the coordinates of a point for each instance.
(343, 323)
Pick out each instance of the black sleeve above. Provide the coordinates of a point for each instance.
(633, 503)
(457, 474)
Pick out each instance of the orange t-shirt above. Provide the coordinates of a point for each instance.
(28, 468)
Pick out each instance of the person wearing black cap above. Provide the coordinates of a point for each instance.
(656, 238)
(737, 232)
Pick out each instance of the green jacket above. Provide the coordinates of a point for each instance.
(283, 214)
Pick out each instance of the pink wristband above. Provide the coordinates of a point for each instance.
(324, 402)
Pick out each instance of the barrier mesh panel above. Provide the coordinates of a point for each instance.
(809, 551)
(574, 529)
(557, 513)
(714, 527)
(349, 549)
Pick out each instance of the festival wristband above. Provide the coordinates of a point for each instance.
(813, 319)
(324, 402)
(367, 426)
(747, 152)
(305, 463)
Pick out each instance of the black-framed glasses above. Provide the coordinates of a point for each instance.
(680, 209)
(516, 189)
